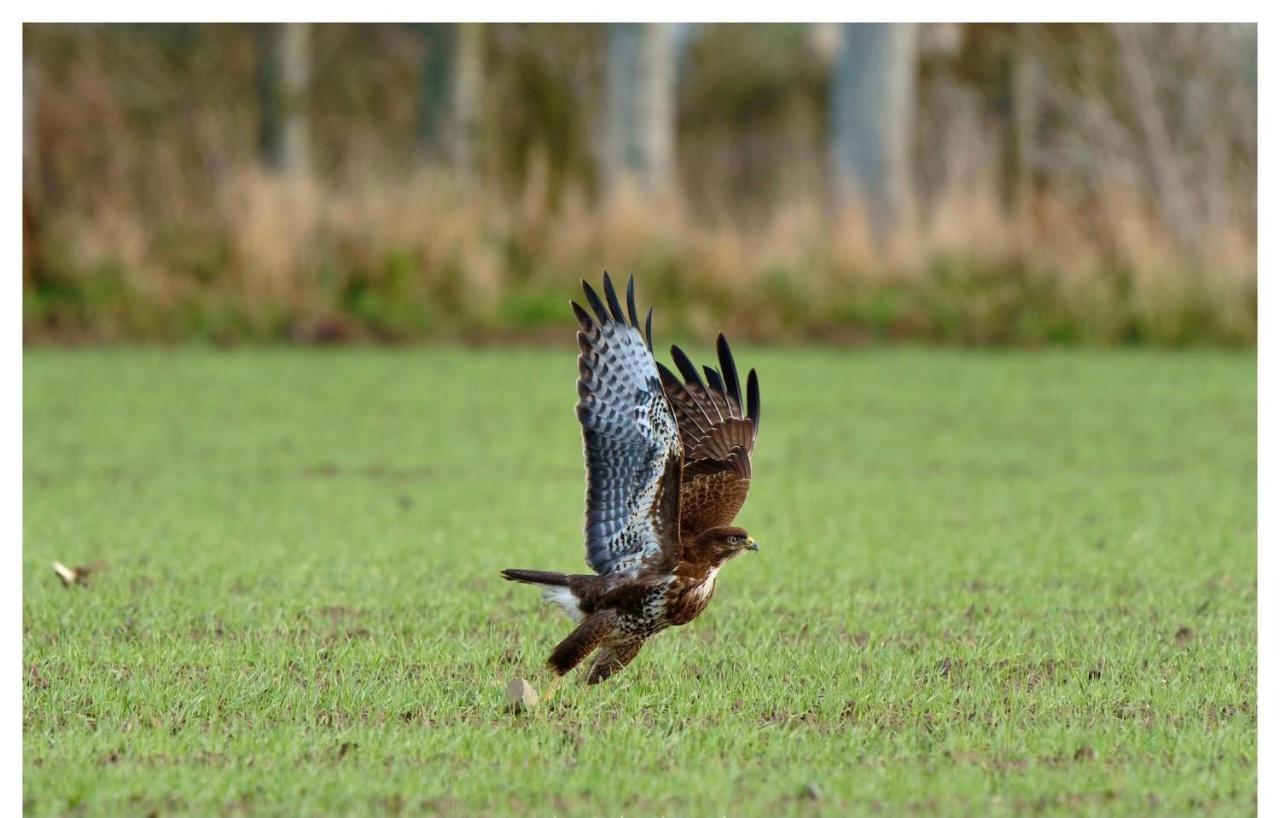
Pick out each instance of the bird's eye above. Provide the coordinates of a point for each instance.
(735, 539)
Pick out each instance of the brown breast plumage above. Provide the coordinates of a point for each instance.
(689, 595)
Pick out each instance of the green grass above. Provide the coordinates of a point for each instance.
(989, 584)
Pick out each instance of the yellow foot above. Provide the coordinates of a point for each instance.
(550, 690)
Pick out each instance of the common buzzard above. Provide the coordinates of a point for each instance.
(668, 467)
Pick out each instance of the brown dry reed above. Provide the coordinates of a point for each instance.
(160, 227)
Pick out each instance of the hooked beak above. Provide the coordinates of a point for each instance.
(752, 545)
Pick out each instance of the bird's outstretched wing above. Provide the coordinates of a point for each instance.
(631, 440)
(717, 437)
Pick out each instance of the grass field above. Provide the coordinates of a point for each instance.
(989, 584)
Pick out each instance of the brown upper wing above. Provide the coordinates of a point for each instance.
(717, 437)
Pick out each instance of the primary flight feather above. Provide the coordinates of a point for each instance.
(668, 467)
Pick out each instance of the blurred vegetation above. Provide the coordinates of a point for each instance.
(978, 565)
(1057, 200)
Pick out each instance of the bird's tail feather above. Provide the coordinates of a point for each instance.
(535, 577)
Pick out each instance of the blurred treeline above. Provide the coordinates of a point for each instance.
(959, 183)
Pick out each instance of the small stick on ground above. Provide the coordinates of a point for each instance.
(78, 575)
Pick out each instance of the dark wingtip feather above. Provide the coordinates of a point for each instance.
(631, 301)
(730, 370)
(713, 379)
(595, 302)
(753, 399)
(715, 391)
(686, 367)
(611, 295)
(583, 318)
(648, 328)
(668, 377)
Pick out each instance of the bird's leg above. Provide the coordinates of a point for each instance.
(612, 658)
(579, 645)
(552, 686)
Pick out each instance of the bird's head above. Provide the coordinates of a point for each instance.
(723, 543)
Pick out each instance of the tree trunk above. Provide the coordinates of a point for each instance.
(872, 106)
(1019, 110)
(30, 173)
(468, 95)
(639, 137)
(284, 84)
(435, 87)
(452, 98)
(30, 141)
(1163, 161)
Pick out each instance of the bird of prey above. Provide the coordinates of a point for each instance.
(668, 467)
